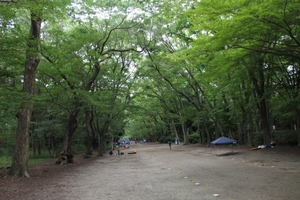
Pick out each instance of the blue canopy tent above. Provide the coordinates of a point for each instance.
(223, 141)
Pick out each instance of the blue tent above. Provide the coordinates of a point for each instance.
(223, 141)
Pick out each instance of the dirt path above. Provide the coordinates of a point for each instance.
(157, 173)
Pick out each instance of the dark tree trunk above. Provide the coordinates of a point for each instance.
(265, 122)
(33, 136)
(259, 86)
(90, 134)
(217, 127)
(207, 134)
(39, 146)
(251, 128)
(99, 144)
(298, 127)
(175, 130)
(239, 127)
(201, 134)
(20, 158)
(70, 130)
(185, 134)
(101, 138)
(50, 146)
(66, 153)
(54, 146)
(33, 143)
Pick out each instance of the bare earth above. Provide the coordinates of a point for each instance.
(186, 172)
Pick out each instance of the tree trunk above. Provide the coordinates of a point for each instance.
(201, 134)
(240, 128)
(89, 132)
(39, 146)
(251, 128)
(88, 118)
(175, 130)
(259, 85)
(298, 127)
(20, 158)
(185, 134)
(101, 137)
(265, 122)
(66, 154)
(217, 127)
(207, 134)
(101, 143)
(71, 128)
(33, 145)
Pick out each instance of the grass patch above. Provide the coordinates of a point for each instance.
(40, 160)
(6, 161)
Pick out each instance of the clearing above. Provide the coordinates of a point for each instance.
(157, 173)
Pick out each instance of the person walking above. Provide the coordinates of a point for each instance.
(111, 152)
(170, 144)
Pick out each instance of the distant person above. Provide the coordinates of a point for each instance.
(273, 143)
(111, 152)
(170, 144)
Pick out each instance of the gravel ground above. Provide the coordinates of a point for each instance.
(186, 172)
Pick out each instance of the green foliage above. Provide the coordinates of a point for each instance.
(194, 138)
(79, 141)
(285, 137)
(78, 148)
(165, 139)
(257, 139)
(5, 161)
(7, 141)
(44, 155)
(281, 137)
(194, 69)
(41, 160)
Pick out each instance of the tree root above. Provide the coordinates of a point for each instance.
(65, 157)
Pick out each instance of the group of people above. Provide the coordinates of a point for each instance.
(125, 145)
(271, 145)
(111, 152)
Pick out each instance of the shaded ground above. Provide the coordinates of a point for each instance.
(155, 172)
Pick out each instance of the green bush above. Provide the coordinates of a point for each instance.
(285, 137)
(162, 139)
(282, 137)
(165, 139)
(7, 141)
(5, 161)
(193, 138)
(44, 154)
(78, 149)
(257, 138)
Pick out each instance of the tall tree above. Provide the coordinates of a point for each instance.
(245, 31)
(20, 159)
(35, 12)
(95, 44)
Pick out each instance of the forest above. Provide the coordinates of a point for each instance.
(78, 75)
